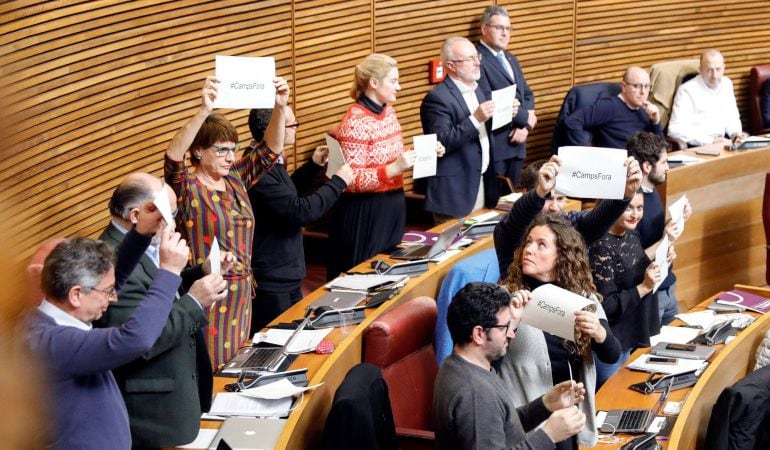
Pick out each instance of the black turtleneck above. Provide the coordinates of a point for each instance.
(370, 104)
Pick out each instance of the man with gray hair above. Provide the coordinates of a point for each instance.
(501, 69)
(80, 278)
(705, 110)
(167, 416)
(458, 110)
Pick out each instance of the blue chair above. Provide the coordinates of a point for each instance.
(579, 96)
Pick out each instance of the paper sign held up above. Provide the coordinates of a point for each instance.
(336, 159)
(425, 164)
(552, 309)
(503, 99)
(592, 172)
(245, 82)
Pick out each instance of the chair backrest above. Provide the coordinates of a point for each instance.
(665, 78)
(35, 268)
(757, 79)
(766, 224)
(580, 96)
(400, 342)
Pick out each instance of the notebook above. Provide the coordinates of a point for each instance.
(633, 421)
(425, 251)
(268, 359)
(248, 433)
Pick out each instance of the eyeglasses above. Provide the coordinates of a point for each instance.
(503, 327)
(293, 125)
(474, 58)
(110, 293)
(222, 150)
(639, 87)
(500, 28)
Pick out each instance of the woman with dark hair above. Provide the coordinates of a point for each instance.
(213, 204)
(554, 252)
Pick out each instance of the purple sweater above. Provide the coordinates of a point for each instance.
(87, 409)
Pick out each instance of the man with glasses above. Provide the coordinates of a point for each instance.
(471, 406)
(705, 110)
(80, 278)
(458, 110)
(283, 204)
(168, 387)
(501, 69)
(611, 120)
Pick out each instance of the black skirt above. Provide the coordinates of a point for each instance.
(363, 225)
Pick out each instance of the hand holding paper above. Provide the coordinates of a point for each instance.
(335, 159)
(246, 82)
(661, 262)
(503, 100)
(425, 151)
(592, 172)
(552, 309)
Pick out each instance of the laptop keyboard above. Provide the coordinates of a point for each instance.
(633, 419)
(264, 358)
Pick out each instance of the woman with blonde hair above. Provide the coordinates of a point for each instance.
(370, 215)
(554, 252)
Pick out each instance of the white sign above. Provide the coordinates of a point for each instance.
(552, 309)
(592, 172)
(425, 163)
(161, 202)
(335, 160)
(503, 100)
(245, 82)
(215, 257)
(661, 259)
(677, 212)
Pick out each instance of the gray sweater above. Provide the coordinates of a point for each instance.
(473, 410)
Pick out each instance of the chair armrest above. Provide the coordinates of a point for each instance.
(414, 439)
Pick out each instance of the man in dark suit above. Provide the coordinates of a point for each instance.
(167, 388)
(501, 69)
(458, 110)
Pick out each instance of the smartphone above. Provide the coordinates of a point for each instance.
(661, 360)
(681, 347)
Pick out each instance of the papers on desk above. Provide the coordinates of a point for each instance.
(425, 164)
(203, 440)
(480, 218)
(552, 309)
(306, 340)
(234, 404)
(681, 366)
(245, 82)
(684, 159)
(511, 198)
(365, 282)
(674, 335)
(592, 172)
(282, 388)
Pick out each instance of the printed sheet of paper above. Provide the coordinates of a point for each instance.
(336, 160)
(552, 309)
(233, 404)
(592, 172)
(661, 259)
(503, 99)
(245, 82)
(425, 164)
(215, 257)
(675, 335)
(282, 388)
(161, 202)
(677, 212)
(306, 340)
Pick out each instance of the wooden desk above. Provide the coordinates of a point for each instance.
(723, 242)
(727, 366)
(304, 427)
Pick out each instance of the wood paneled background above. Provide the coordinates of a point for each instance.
(99, 87)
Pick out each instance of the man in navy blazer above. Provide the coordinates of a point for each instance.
(500, 69)
(458, 110)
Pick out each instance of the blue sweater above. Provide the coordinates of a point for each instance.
(87, 409)
(607, 123)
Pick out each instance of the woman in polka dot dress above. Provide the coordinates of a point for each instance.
(213, 203)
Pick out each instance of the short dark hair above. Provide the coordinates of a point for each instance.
(475, 304)
(77, 261)
(646, 147)
(258, 120)
(129, 195)
(529, 176)
(216, 128)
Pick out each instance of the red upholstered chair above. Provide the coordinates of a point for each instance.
(400, 342)
(759, 75)
(766, 223)
(35, 268)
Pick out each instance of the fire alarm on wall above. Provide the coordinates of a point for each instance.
(437, 73)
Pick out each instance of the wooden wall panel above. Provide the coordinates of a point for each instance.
(101, 86)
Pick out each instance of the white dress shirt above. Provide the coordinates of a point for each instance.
(61, 317)
(701, 114)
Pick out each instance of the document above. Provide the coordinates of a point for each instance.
(675, 335)
(161, 202)
(503, 99)
(681, 366)
(215, 257)
(277, 390)
(245, 82)
(425, 164)
(677, 212)
(306, 340)
(552, 309)
(592, 172)
(685, 159)
(335, 160)
(204, 438)
(661, 259)
(233, 404)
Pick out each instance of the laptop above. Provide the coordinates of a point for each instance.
(424, 251)
(248, 433)
(265, 359)
(337, 300)
(633, 421)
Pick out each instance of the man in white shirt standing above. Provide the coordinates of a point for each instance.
(705, 110)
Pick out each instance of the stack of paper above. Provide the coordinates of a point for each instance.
(681, 366)
(306, 340)
(365, 282)
(234, 404)
(675, 335)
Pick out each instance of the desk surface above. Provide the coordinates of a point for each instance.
(728, 365)
(305, 424)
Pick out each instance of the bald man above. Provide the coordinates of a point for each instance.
(166, 389)
(611, 120)
(705, 110)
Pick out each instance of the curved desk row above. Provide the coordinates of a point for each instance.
(730, 363)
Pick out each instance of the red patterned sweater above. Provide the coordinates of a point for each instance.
(370, 142)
